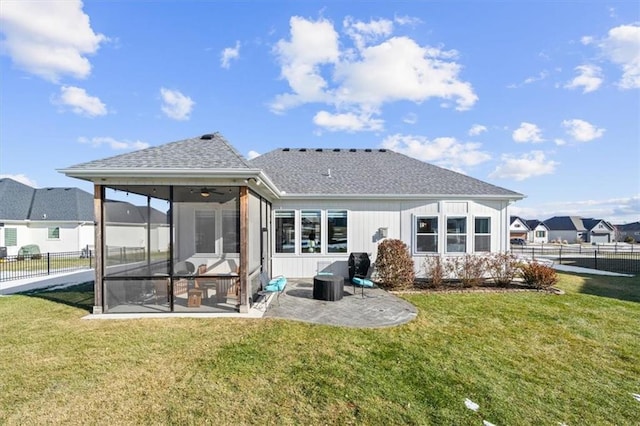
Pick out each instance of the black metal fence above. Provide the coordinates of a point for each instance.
(42, 264)
(623, 259)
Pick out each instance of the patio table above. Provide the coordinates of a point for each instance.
(328, 287)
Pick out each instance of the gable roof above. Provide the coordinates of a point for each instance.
(565, 223)
(534, 223)
(22, 202)
(206, 154)
(592, 223)
(518, 218)
(375, 172)
(16, 199)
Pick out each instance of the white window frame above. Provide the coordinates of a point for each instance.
(481, 234)
(436, 234)
(457, 234)
(52, 230)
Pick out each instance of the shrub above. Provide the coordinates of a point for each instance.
(629, 239)
(469, 269)
(394, 265)
(434, 270)
(538, 276)
(502, 268)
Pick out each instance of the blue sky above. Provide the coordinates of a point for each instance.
(538, 97)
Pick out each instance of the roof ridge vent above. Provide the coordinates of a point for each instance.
(318, 149)
(286, 149)
(367, 150)
(303, 149)
(382, 150)
(207, 136)
(352, 150)
(336, 150)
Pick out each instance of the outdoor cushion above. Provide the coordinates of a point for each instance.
(276, 284)
(362, 282)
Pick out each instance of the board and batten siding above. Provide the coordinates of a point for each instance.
(367, 217)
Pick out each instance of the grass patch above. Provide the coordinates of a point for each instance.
(525, 358)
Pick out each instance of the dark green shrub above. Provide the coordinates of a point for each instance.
(629, 239)
(394, 265)
(538, 276)
(502, 268)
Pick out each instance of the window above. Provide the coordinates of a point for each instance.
(337, 229)
(540, 234)
(10, 237)
(205, 231)
(53, 233)
(285, 231)
(230, 231)
(456, 235)
(483, 234)
(311, 231)
(427, 234)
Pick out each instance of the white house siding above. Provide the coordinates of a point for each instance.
(366, 217)
(533, 232)
(568, 236)
(23, 236)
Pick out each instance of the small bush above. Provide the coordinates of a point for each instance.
(538, 276)
(434, 270)
(394, 265)
(469, 269)
(629, 239)
(502, 268)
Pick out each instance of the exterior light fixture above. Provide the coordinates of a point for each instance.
(205, 192)
(383, 232)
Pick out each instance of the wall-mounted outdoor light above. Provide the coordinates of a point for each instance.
(383, 232)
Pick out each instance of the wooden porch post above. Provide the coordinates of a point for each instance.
(244, 250)
(98, 198)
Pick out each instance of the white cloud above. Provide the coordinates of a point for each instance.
(410, 118)
(50, 39)
(253, 154)
(113, 143)
(476, 129)
(529, 80)
(175, 104)
(312, 44)
(80, 102)
(622, 47)
(582, 131)
(348, 122)
(445, 151)
(586, 40)
(524, 167)
(559, 141)
(589, 78)
(527, 132)
(228, 54)
(22, 179)
(378, 69)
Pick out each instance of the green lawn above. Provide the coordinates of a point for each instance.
(525, 358)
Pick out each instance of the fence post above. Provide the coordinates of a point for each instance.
(560, 255)
(48, 263)
(595, 256)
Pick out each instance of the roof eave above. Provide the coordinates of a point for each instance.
(514, 197)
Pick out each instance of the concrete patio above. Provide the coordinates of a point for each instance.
(376, 308)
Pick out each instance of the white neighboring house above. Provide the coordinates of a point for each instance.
(56, 219)
(62, 219)
(538, 231)
(518, 228)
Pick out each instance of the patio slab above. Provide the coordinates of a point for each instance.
(377, 308)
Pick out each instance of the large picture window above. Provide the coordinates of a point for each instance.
(311, 231)
(482, 234)
(337, 231)
(427, 234)
(205, 231)
(285, 231)
(456, 235)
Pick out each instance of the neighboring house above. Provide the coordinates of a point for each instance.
(285, 212)
(599, 231)
(627, 230)
(538, 231)
(518, 228)
(575, 229)
(62, 219)
(56, 219)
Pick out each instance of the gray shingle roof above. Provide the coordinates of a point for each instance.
(22, 202)
(565, 223)
(203, 152)
(15, 199)
(307, 171)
